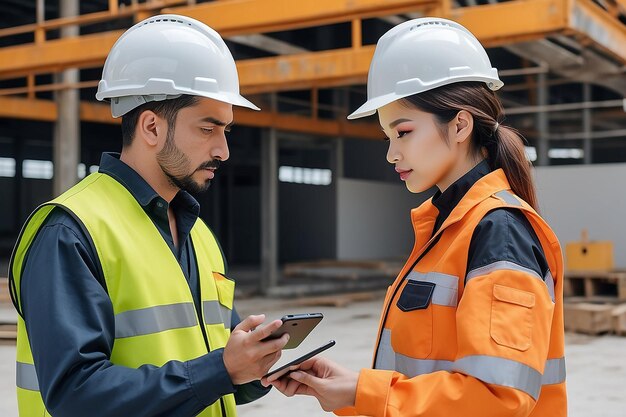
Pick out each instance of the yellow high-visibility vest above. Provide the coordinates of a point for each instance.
(155, 315)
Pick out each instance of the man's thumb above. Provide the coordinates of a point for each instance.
(250, 323)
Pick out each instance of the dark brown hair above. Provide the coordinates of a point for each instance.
(504, 144)
(164, 108)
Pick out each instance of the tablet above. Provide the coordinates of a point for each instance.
(283, 370)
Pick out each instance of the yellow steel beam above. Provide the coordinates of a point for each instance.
(228, 18)
(506, 23)
(513, 21)
(595, 23)
(53, 56)
(28, 109)
(114, 12)
(303, 71)
(494, 25)
(237, 17)
(46, 110)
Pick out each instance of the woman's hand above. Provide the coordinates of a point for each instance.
(334, 386)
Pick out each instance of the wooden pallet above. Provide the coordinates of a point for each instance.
(618, 315)
(341, 270)
(4, 291)
(8, 333)
(590, 284)
(340, 300)
(588, 318)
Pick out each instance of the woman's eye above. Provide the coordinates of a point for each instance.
(401, 134)
(385, 138)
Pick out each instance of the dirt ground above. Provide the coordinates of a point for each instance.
(596, 366)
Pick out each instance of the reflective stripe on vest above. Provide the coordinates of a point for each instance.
(489, 369)
(216, 313)
(508, 198)
(26, 376)
(511, 266)
(446, 288)
(154, 319)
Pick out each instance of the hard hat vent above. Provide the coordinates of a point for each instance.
(431, 23)
(163, 20)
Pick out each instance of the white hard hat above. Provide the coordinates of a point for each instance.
(164, 57)
(422, 54)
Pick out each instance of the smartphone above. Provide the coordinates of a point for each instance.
(283, 370)
(298, 326)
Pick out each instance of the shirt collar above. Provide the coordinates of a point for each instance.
(446, 201)
(139, 188)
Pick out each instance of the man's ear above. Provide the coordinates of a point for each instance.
(149, 128)
(462, 126)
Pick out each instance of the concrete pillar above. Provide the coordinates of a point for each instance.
(542, 121)
(67, 128)
(269, 207)
(587, 125)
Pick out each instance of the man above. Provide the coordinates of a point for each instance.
(125, 309)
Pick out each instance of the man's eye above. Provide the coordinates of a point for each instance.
(207, 130)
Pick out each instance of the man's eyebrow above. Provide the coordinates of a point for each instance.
(397, 122)
(217, 122)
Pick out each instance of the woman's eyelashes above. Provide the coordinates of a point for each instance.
(401, 133)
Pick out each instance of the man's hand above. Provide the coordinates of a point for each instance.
(334, 386)
(247, 358)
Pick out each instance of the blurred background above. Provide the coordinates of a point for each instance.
(307, 208)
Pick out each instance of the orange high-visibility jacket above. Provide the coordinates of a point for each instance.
(452, 342)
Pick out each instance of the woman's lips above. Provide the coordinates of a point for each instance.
(404, 173)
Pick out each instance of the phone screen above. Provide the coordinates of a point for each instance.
(283, 370)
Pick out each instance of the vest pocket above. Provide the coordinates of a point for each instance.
(225, 296)
(225, 289)
(511, 317)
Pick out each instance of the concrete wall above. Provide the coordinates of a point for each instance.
(373, 219)
(585, 196)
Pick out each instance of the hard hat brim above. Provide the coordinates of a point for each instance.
(234, 99)
(370, 106)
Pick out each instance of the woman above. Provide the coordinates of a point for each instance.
(473, 325)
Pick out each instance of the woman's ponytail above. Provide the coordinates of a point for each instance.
(510, 155)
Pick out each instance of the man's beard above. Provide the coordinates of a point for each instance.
(175, 165)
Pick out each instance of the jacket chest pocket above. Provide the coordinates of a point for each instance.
(418, 307)
(412, 328)
(416, 295)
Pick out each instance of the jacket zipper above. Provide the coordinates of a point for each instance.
(432, 243)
